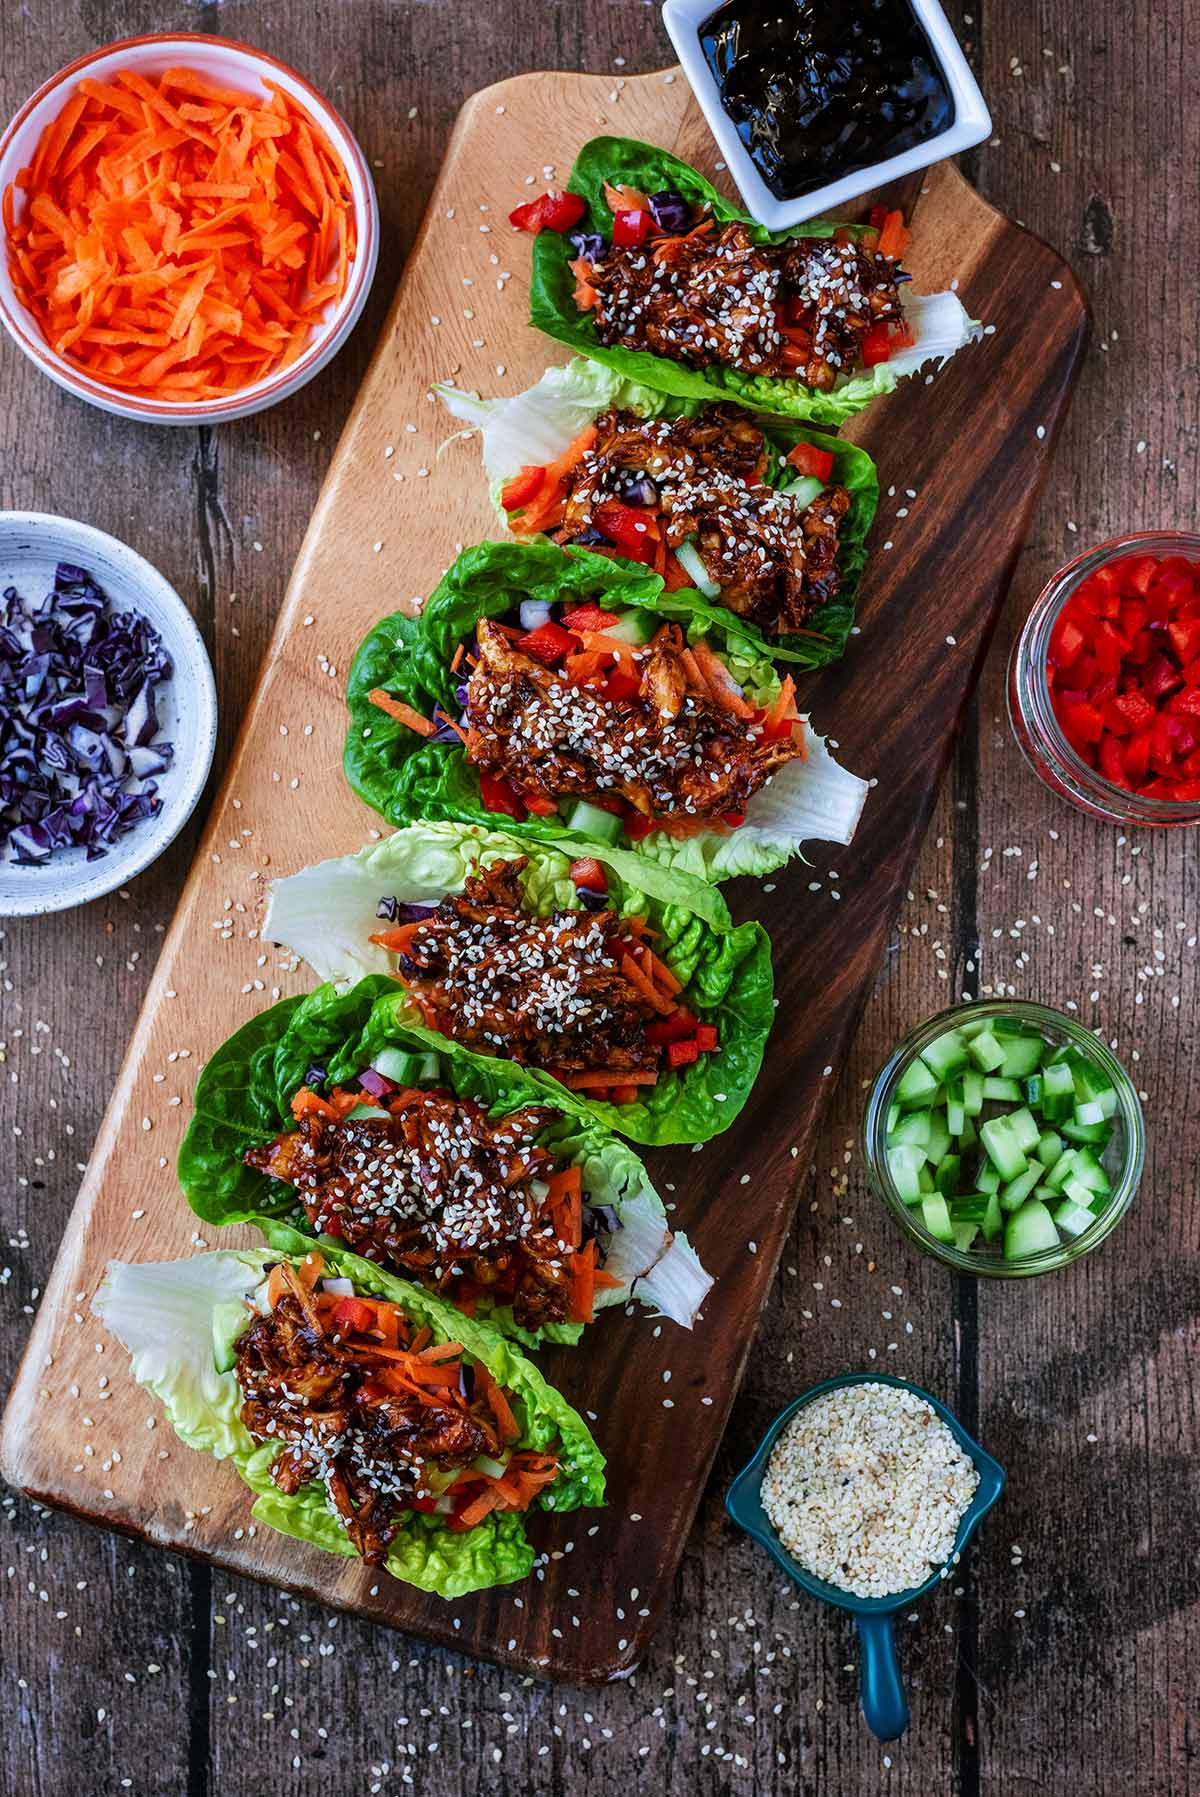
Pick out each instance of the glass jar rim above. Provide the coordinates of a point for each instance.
(1030, 682)
(1044, 1017)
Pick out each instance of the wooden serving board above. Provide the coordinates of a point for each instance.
(973, 447)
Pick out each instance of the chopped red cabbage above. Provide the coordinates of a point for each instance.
(78, 720)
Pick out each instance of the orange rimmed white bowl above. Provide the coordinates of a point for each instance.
(234, 65)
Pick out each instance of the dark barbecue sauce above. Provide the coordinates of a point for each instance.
(821, 88)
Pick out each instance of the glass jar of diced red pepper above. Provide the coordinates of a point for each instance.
(1104, 681)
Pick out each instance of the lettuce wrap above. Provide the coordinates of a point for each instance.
(937, 321)
(406, 776)
(324, 1041)
(328, 913)
(179, 1321)
(538, 426)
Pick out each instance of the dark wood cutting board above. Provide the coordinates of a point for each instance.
(973, 447)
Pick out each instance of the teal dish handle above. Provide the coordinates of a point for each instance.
(884, 1704)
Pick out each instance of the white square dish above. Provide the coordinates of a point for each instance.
(972, 122)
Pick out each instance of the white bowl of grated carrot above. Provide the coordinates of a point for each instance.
(190, 229)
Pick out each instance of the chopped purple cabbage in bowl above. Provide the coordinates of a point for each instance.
(107, 713)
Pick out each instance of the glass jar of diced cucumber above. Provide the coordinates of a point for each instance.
(1004, 1138)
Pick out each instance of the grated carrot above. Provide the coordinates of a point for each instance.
(224, 220)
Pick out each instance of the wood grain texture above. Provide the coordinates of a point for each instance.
(396, 499)
(1094, 1689)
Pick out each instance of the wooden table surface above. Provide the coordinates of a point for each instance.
(1068, 1657)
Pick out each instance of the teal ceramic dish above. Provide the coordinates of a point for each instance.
(884, 1704)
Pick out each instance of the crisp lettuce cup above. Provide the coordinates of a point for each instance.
(329, 911)
(537, 427)
(406, 776)
(244, 1099)
(179, 1320)
(938, 321)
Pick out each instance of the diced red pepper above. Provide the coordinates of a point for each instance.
(735, 819)
(589, 617)
(807, 459)
(1066, 641)
(638, 826)
(876, 345)
(1159, 677)
(1185, 638)
(500, 795)
(548, 643)
(621, 1095)
(540, 806)
(1112, 762)
(1110, 648)
(1137, 756)
(634, 531)
(621, 684)
(675, 1028)
(589, 874)
(631, 228)
(706, 1037)
(550, 212)
(1082, 721)
(682, 1054)
(351, 1315)
(522, 487)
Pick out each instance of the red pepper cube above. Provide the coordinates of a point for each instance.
(876, 345)
(1110, 647)
(682, 1054)
(706, 1037)
(1185, 638)
(1137, 708)
(1115, 720)
(1137, 756)
(1187, 701)
(631, 228)
(1132, 617)
(562, 211)
(1191, 766)
(1160, 677)
(1066, 641)
(1082, 721)
(1137, 573)
(1112, 762)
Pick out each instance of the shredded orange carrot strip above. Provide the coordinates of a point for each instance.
(225, 218)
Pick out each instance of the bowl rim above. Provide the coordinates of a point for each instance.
(156, 835)
(743, 1500)
(29, 338)
(971, 124)
(994, 1266)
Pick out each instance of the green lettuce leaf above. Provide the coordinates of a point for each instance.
(243, 1099)
(406, 777)
(940, 327)
(536, 427)
(173, 1317)
(328, 912)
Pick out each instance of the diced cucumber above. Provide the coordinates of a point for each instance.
(593, 821)
(985, 1051)
(912, 1130)
(956, 1117)
(1091, 1082)
(971, 1209)
(361, 1112)
(229, 1318)
(1090, 1112)
(1062, 1170)
(938, 1145)
(1014, 1194)
(1003, 1147)
(936, 1217)
(1032, 1088)
(1092, 1135)
(988, 1178)
(1079, 1194)
(904, 1163)
(925, 1177)
(406, 1068)
(946, 1055)
(1022, 1056)
(636, 625)
(972, 1086)
(964, 1235)
(1049, 1148)
(969, 1135)
(975, 1027)
(916, 1086)
(1072, 1218)
(805, 490)
(1005, 1091)
(1025, 1128)
(993, 1218)
(946, 1174)
(1058, 1092)
(1029, 1230)
(893, 1117)
(1089, 1172)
